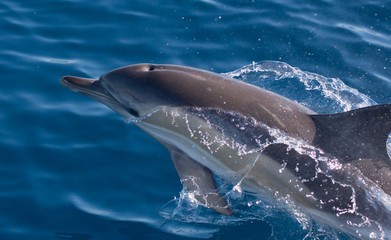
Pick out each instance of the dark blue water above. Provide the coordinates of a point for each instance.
(70, 168)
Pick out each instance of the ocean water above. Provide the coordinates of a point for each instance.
(70, 168)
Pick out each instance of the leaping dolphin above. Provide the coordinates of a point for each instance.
(212, 124)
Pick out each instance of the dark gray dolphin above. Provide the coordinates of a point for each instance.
(212, 124)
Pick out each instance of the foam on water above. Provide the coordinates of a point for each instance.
(319, 93)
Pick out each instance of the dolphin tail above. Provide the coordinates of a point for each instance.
(199, 179)
(356, 134)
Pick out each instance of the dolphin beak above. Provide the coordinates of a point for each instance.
(86, 86)
(93, 88)
(69, 81)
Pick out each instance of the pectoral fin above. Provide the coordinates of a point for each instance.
(199, 179)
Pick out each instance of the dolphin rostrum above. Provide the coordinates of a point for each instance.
(338, 169)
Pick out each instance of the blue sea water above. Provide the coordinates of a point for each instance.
(70, 168)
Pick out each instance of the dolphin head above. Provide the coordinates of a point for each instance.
(138, 91)
(133, 91)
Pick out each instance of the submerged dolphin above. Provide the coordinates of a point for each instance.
(212, 124)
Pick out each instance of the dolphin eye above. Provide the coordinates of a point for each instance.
(151, 68)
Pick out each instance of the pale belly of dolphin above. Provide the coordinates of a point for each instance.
(244, 163)
(225, 155)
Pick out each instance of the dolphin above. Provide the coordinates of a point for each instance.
(337, 169)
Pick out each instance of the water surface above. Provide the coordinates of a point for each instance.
(70, 168)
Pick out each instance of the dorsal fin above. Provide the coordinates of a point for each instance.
(356, 134)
